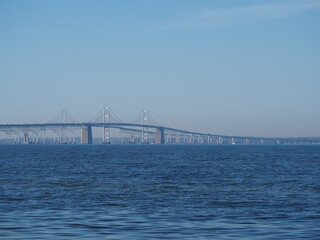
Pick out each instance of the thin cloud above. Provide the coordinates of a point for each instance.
(248, 14)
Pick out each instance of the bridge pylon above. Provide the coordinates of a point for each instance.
(106, 129)
(144, 137)
(159, 136)
(25, 138)
(86, 135)
(63, 119)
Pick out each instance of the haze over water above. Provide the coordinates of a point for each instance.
(159, 192)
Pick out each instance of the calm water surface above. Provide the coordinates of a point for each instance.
(154, 192)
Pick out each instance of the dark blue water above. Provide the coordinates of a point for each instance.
(154, 192)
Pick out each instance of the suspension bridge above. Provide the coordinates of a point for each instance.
(143, 129)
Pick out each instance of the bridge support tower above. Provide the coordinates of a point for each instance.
(25, 138)
(144, 135)
(159, 136)
(106, 129)
(86, 135)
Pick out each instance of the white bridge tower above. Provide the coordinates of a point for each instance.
(106, 129)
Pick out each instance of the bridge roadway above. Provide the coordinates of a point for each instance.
(86, 136)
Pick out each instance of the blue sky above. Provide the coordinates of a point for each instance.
(248, 67)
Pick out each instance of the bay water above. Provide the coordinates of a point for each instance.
(159, 192)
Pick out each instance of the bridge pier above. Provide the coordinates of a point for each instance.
(159, 136)
(86, 135)
(25, 138)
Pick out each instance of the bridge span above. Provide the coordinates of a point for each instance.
(143, 128)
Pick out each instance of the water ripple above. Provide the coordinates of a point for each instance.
(159, 192)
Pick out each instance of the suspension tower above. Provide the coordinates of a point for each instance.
(63, 119)
(144, 138)
(106, 129)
